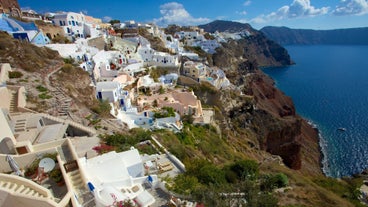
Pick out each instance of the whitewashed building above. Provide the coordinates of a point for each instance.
(72, 23)
(108, 90)
(208, 46)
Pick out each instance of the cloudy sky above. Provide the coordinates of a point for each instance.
(313, 14)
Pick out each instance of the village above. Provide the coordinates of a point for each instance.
(141, 84)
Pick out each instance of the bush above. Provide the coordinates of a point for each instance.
(67, 68)
(56, 175)
(41, 88)
(270, 182)
(122, 142)
(32, 168)
(44, 96)
(245, 169)
(165, 112)
(185, 184)
(103, 108)
(69, 60)
(15, 74)
(60, 39)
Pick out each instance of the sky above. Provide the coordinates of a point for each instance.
(303, 14)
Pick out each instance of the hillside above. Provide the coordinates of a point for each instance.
(253, 121)
(225, 26)
(50, 82)
(254, 47)
(287, 36)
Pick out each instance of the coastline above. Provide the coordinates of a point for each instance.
(322, 143)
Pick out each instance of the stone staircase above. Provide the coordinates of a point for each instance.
(21, 189)
(71, 123)
(76, 179)
(20, 126)
(13, 102)
(82, 194)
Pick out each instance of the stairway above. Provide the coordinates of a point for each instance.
(82, 194)
(20, 189)
(76, 179)
(91, 131)
(13, 101)
(20, 125)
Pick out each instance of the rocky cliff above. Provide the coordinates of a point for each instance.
(287, 36)
(258, 106)
(255, 46)
(280, 130)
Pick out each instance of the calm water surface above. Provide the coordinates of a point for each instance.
(329, 86)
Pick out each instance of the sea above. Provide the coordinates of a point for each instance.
(329, 87)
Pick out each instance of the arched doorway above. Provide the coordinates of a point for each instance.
(7, 146)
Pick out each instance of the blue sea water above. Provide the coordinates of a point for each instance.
(329, 86)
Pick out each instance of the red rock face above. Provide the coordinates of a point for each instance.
(283, 132)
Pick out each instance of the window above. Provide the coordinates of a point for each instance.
(73, 23)
(61, 23)
(69, 23)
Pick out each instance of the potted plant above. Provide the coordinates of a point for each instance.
(57, 176)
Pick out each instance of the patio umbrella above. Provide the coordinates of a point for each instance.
(13, 165)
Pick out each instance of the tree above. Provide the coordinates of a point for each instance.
(245, 169)
(270, 182)
(185, 184)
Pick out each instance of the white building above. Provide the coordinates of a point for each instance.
(208, 46)
(108, 90)
(72, 23)
(80, 51)
(108, 63)
(165, 60)
(114, 177)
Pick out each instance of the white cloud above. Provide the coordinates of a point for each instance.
(241, 12)
(351, 7)
(175, 13)
(106, 19)
(299, 8)
(247, 3)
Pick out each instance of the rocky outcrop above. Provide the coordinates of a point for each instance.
(280, 130)
(255, 48)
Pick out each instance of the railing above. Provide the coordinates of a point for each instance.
(45, 193)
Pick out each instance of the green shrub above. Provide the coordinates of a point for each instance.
(56, 175)
(165, 112)
(69, 60)
(270, 181)
(185, 184)
(67, 68)
(15, 74)
(41, 88)
(245, 169)
(44, 96)
(102, 108)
